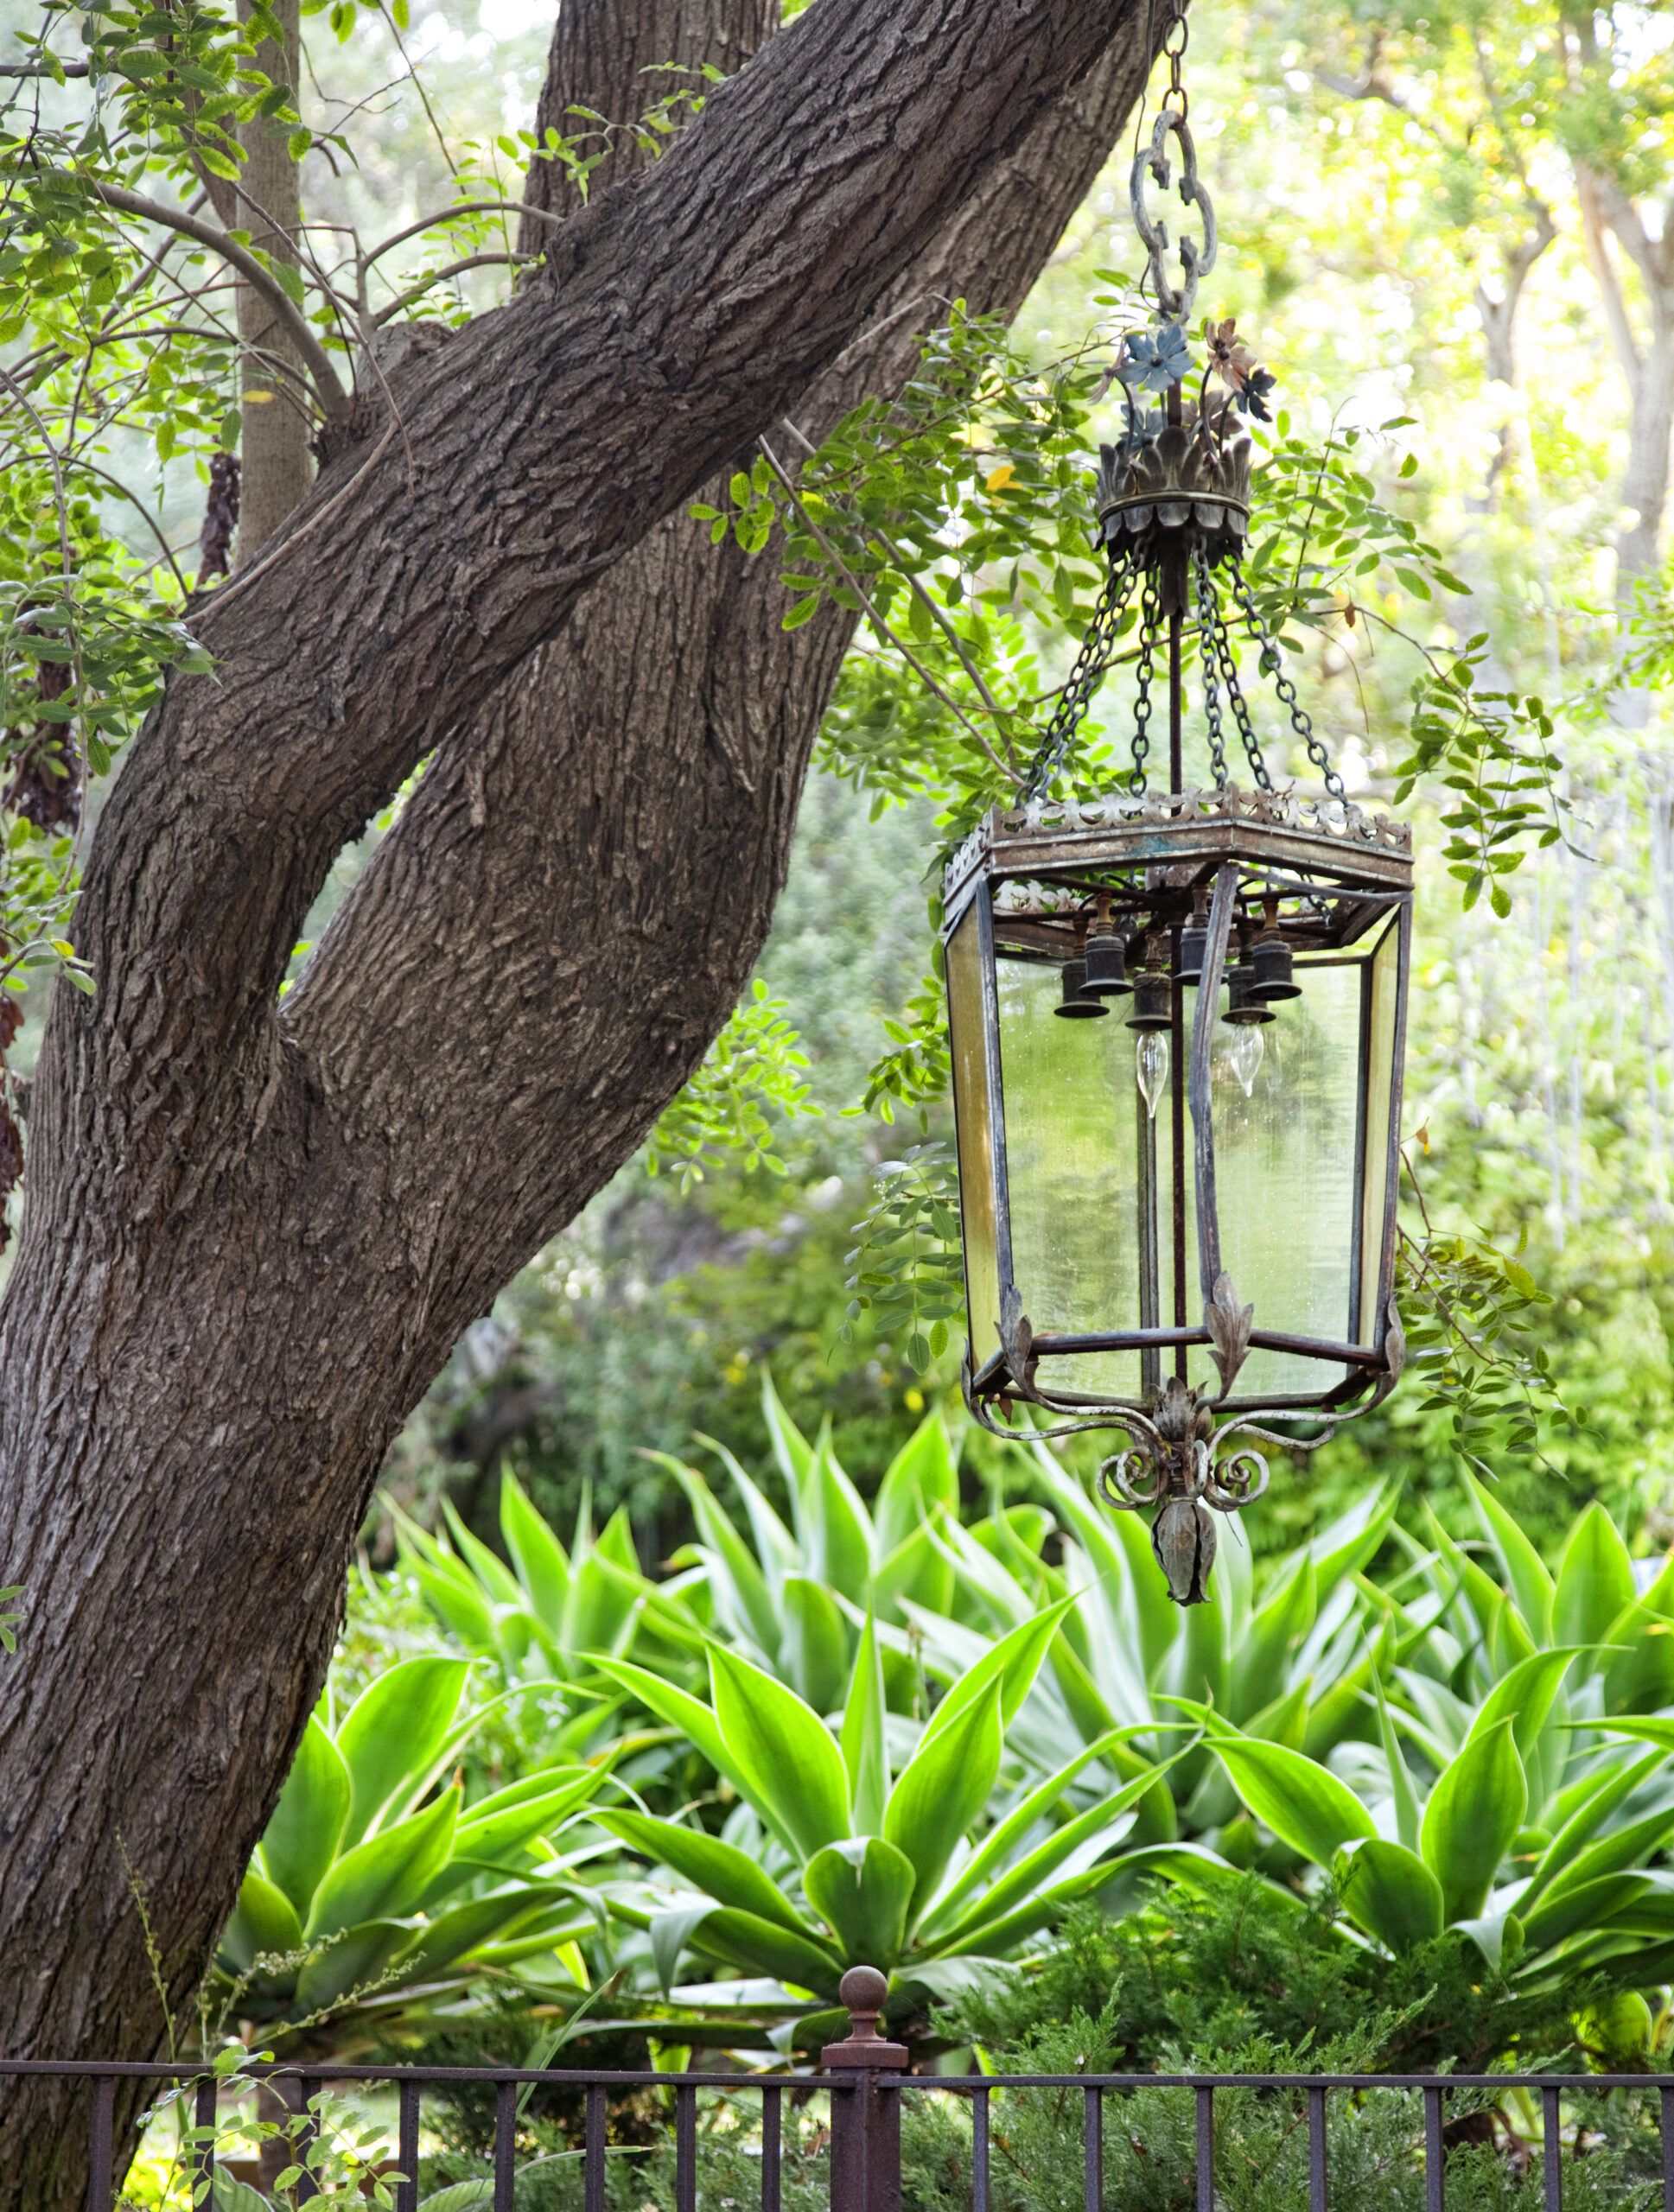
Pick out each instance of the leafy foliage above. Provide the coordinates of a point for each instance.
(723, 1111)
(906, 1267)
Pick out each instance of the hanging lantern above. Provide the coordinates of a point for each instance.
(1179, 1204)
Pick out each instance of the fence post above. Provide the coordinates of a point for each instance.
(865, 2172)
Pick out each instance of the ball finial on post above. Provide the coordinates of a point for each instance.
(863, 1991)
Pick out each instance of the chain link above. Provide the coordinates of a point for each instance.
(1271, 663)
(1150, 616)
(1098, 647)
(1178, 95)
(1206, 612)
(1229, 669)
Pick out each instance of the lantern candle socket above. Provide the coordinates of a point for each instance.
(1176, 1028)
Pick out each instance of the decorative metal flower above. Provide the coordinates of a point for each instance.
(1237, 367)
(1153, 363)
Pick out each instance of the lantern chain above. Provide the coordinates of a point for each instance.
(1150, 616)
(1097, 650)
(1229, 669)
(1271, 663)
(1205, 603)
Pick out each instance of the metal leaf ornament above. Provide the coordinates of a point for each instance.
(1229, 1325)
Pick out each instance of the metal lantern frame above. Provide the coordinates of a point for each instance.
(1029, 881)
(1085, 887)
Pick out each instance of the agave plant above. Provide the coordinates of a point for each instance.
(872, 1845)
(373, 1888)
(1291, 1657)
(1507, 1824)
(543, 1615)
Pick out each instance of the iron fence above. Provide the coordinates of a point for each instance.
(864, 2080)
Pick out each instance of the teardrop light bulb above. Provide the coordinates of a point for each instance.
(1151, 1066)
(1248, 1048)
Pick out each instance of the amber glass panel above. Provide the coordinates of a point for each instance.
(969, 1042)
(1075, 1127)
(1380, 1095)
(1286, 1174)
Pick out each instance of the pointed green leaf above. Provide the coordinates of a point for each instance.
(1594, 1580)
(720, 1870)
(1474, 1810)
(943, 1787)
(542, 1564)
(1303, 1803)
(300, 1840)
(263, 1921)
(1532, 1584)
(861, 1890)
(387, 1874)
(759, 1947)
(783, 1755)
(921, 1477)
(392, 1731)
(1390, 1893)
(865, 1755)
(815, 1657)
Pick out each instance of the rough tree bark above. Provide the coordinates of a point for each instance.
(253, 1233)
(273, 440)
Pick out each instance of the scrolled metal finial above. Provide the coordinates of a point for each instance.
(1183, 1538)
(1173, 304)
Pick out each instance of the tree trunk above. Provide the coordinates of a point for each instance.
(273, 441)
(254, 1231)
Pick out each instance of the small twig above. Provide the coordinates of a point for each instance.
(334, 397)
(451, 215)
(441, 276)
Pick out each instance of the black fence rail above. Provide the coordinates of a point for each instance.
(864, 2081)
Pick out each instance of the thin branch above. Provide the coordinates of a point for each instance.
(879, 623)
(54, 70)
(441, 276)
(449, 215)
(333, 396)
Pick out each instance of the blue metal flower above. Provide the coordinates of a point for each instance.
(1152, 363)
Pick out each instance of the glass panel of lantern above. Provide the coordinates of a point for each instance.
(1075, 1134)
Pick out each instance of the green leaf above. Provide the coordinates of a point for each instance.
(1474, 1810)
(388, 1873)
(392, 1733)
(1013, 1663)
(264, 1920)
(1533, 1586)
(357, 1958)
(688, 1715)
(943, 1787)
(1594, 1580)
(720, 1870)
(1303, 1803)
(921, 1477)
(865, 1756)
(300, 1840)
(861, 1890)
(452, 1934)
(782, 1754)
(816, 1653)
(542, 1563)
(1390, 1893)
(759, 1947)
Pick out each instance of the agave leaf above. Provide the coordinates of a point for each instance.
(1531, 1584)
(943, 1787)
(1594, 1580)
(387, 1875)
(815, 1651)
(861, 1890)
(719, 1869)
(782, 1753)
(1389, 1891)
(1474, 1810)
(922, 1475)
(264, 1920)
(301, 1837)
(392, 1732)
(865, 1753)
(542, 1564)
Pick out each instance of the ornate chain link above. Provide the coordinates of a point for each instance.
(1150, 616)
(1271, 663)
(1206, 617)
(1084, 679)
(1229, 669)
